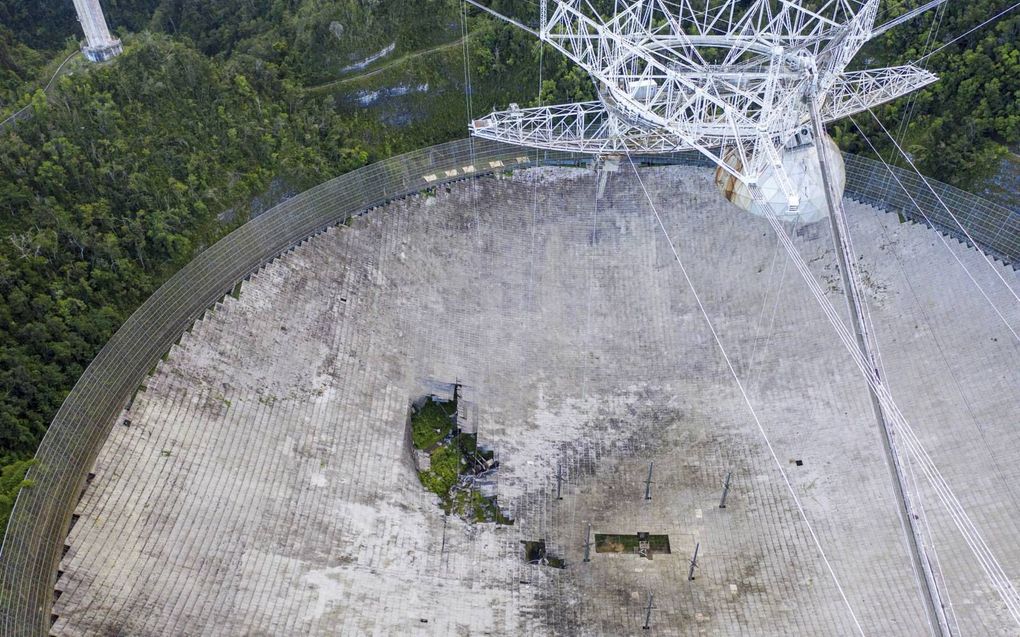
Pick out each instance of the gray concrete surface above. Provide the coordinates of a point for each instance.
(264, 484)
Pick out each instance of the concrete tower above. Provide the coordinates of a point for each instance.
(99, 45)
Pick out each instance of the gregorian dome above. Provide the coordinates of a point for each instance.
(800, 166)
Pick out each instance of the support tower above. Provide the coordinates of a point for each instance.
(99, 45)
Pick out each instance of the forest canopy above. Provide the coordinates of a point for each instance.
(121, 176)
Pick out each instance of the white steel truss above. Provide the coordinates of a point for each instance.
(705, 75)
(589, 127)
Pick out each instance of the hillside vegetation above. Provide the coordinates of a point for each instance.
(128, 169)
(115, 183)
(960, 128)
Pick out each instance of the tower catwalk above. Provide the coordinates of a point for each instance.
(99, 45)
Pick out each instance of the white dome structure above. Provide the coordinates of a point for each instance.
(800, 163)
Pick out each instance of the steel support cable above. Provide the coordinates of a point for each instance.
(952, 216)
(753, 370)
(747, 402)
(868, 345)
(849, 267)
(942, 239)
(534, 210)
(927, 538)
(944, 590)
(517, 24)
(937, 590)
(16, 115)
(971, 536)
(968, 32)
(993, 570)
(591, 285)
(934, 338)
(933, 33)
(38, 523)
(84, 419)
(909, 15)
(468, 98)
(756, 381)
(931, 541)
(761, 315)
(867, 322)
(913, 443)
(970, 533)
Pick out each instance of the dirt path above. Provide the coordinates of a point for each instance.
(385, 67)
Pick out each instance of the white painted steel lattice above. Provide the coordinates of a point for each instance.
(709, 76)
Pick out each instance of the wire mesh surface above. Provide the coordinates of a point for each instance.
(33, 543)
(995, 227)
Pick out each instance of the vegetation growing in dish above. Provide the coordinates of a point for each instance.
(456, 466)
(432, 422)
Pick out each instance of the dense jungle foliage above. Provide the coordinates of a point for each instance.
(961, 128)
(126, 170)
(114, 185)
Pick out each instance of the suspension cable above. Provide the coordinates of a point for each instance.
(761, 315)
(966, 233)
(901, 428)
(945, 243)
(538, 157)
(755, 383)
(929, 41)
(747, 400)
(468, 99)
(968, 32)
